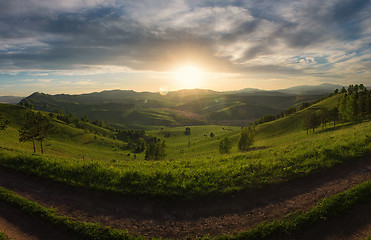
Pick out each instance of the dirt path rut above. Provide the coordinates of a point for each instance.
(179, 219)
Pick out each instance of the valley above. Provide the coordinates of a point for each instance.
(88, 173)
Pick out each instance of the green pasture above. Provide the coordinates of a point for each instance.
(193, 166)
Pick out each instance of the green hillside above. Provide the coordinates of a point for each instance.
(193, 166)
(293, 122)
(67, 142)
(180, 108)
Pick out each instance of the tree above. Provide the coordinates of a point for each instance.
(312, 121)
(140, 146)
(324, 115)
(35, 127)
(85, 118)
(187, 131)
(334, 115)
(304, 105)
(246, 138)
(28, 129)
(155, 150)
(343, 109)
(225, 146)
(44, 129)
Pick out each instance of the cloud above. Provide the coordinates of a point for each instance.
(78, 37)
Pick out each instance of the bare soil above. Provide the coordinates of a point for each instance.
(212, 216)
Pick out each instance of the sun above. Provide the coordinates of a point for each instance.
(189, 76)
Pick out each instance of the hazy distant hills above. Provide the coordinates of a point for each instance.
(10, 99)
(308, 90)
(127, 108)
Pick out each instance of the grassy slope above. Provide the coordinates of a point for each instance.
(283, 151)
(69, 142)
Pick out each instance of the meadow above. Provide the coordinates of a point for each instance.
(193, 167)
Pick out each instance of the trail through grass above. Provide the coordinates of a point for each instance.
(195, 177)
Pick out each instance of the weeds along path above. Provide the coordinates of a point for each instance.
(179, 219)
(355, 225)
(20, 226)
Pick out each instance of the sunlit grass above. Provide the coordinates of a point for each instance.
(204, 175)
(193, 166)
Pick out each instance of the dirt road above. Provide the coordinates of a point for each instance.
(179, 219)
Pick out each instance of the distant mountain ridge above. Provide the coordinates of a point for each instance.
(10, 99)
(308, 89)
(127, 108)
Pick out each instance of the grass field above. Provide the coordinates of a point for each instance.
(193, 166)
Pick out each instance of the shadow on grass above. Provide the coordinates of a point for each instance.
(337, 127)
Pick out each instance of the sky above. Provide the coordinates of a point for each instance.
(80, 46)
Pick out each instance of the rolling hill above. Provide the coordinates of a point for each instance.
(285, 166)
(126, 108)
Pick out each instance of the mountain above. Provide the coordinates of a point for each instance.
(324, 88)
(10, 99)
(127, 108)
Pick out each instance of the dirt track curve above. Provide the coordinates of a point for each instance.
(179, 219)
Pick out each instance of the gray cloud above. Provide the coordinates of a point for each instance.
(143, 35)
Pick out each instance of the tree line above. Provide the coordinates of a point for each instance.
(354, 105)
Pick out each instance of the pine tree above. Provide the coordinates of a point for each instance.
(334, 115)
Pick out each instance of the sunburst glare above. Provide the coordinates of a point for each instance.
(189, 76)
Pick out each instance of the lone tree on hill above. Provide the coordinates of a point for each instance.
(36, 127)
(187, 131)
(225, 146)
(246, 138)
